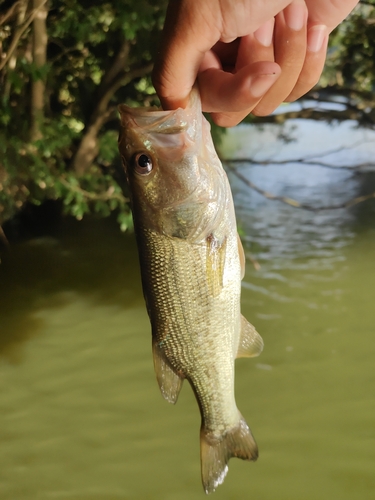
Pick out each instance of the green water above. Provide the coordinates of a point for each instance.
(81, 416)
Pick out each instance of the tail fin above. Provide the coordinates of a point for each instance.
(215, 453)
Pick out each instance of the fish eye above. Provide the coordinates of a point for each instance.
(142, 163)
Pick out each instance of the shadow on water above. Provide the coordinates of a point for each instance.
(364, 213)
(91, 258)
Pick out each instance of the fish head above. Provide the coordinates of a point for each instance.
(172, 169)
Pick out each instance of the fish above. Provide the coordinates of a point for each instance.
(192, 263)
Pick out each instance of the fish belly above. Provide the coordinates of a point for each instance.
(197, 332)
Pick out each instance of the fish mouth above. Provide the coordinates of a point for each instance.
(164, 121)
(155, 120)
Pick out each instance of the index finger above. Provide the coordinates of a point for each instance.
(186, 37)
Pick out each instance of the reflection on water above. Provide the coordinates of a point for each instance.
(81, 414)
(276, 230)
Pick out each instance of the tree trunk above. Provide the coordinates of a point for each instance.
(88, 147)
(9, 58)
(115, 76)
(40, 40)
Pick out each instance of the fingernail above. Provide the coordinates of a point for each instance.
(315, 37)
(264, 34)
(295, 16)
(261, 83)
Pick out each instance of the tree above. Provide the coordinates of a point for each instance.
(64, 68)
(65, 65)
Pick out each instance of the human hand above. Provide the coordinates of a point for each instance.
(248, 56)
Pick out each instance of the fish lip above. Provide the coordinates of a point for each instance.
(149, 118)
(155, 120)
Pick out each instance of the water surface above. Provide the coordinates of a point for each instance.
(81, 414)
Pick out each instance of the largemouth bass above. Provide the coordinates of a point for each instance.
(192, 263)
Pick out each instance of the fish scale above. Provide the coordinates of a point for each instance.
(188, 335)
(191, 263)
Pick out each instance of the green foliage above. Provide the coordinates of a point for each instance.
(352, 51)
(108, 149)
(83, 87)
(99, 54)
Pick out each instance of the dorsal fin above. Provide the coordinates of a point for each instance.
(251, 343)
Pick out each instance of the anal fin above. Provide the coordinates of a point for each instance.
(169, 382)
(251, 343)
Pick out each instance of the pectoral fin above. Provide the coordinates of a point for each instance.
(169, 382)
(251, 343)
(215, 262)
(241, 255)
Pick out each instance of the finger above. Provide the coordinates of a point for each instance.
(324, 16)
(239, 57)
(256, 47)
(191, 29)
(228, 97)
(253, 48)
(329, 12)
(317, 41)
(222, 91)
(290, 50)
(186, 37)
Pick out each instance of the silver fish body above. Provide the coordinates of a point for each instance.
(192, 264)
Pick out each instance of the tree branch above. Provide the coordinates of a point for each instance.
(10, 12)
(328, 115)
(108, 195)
(39, 49)
(116, 68)
(118, 81)
(88, 147)
(3, 240)
(359, 106)
(300, 161)
(20, 31)
(308, 159)
(295, 203)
